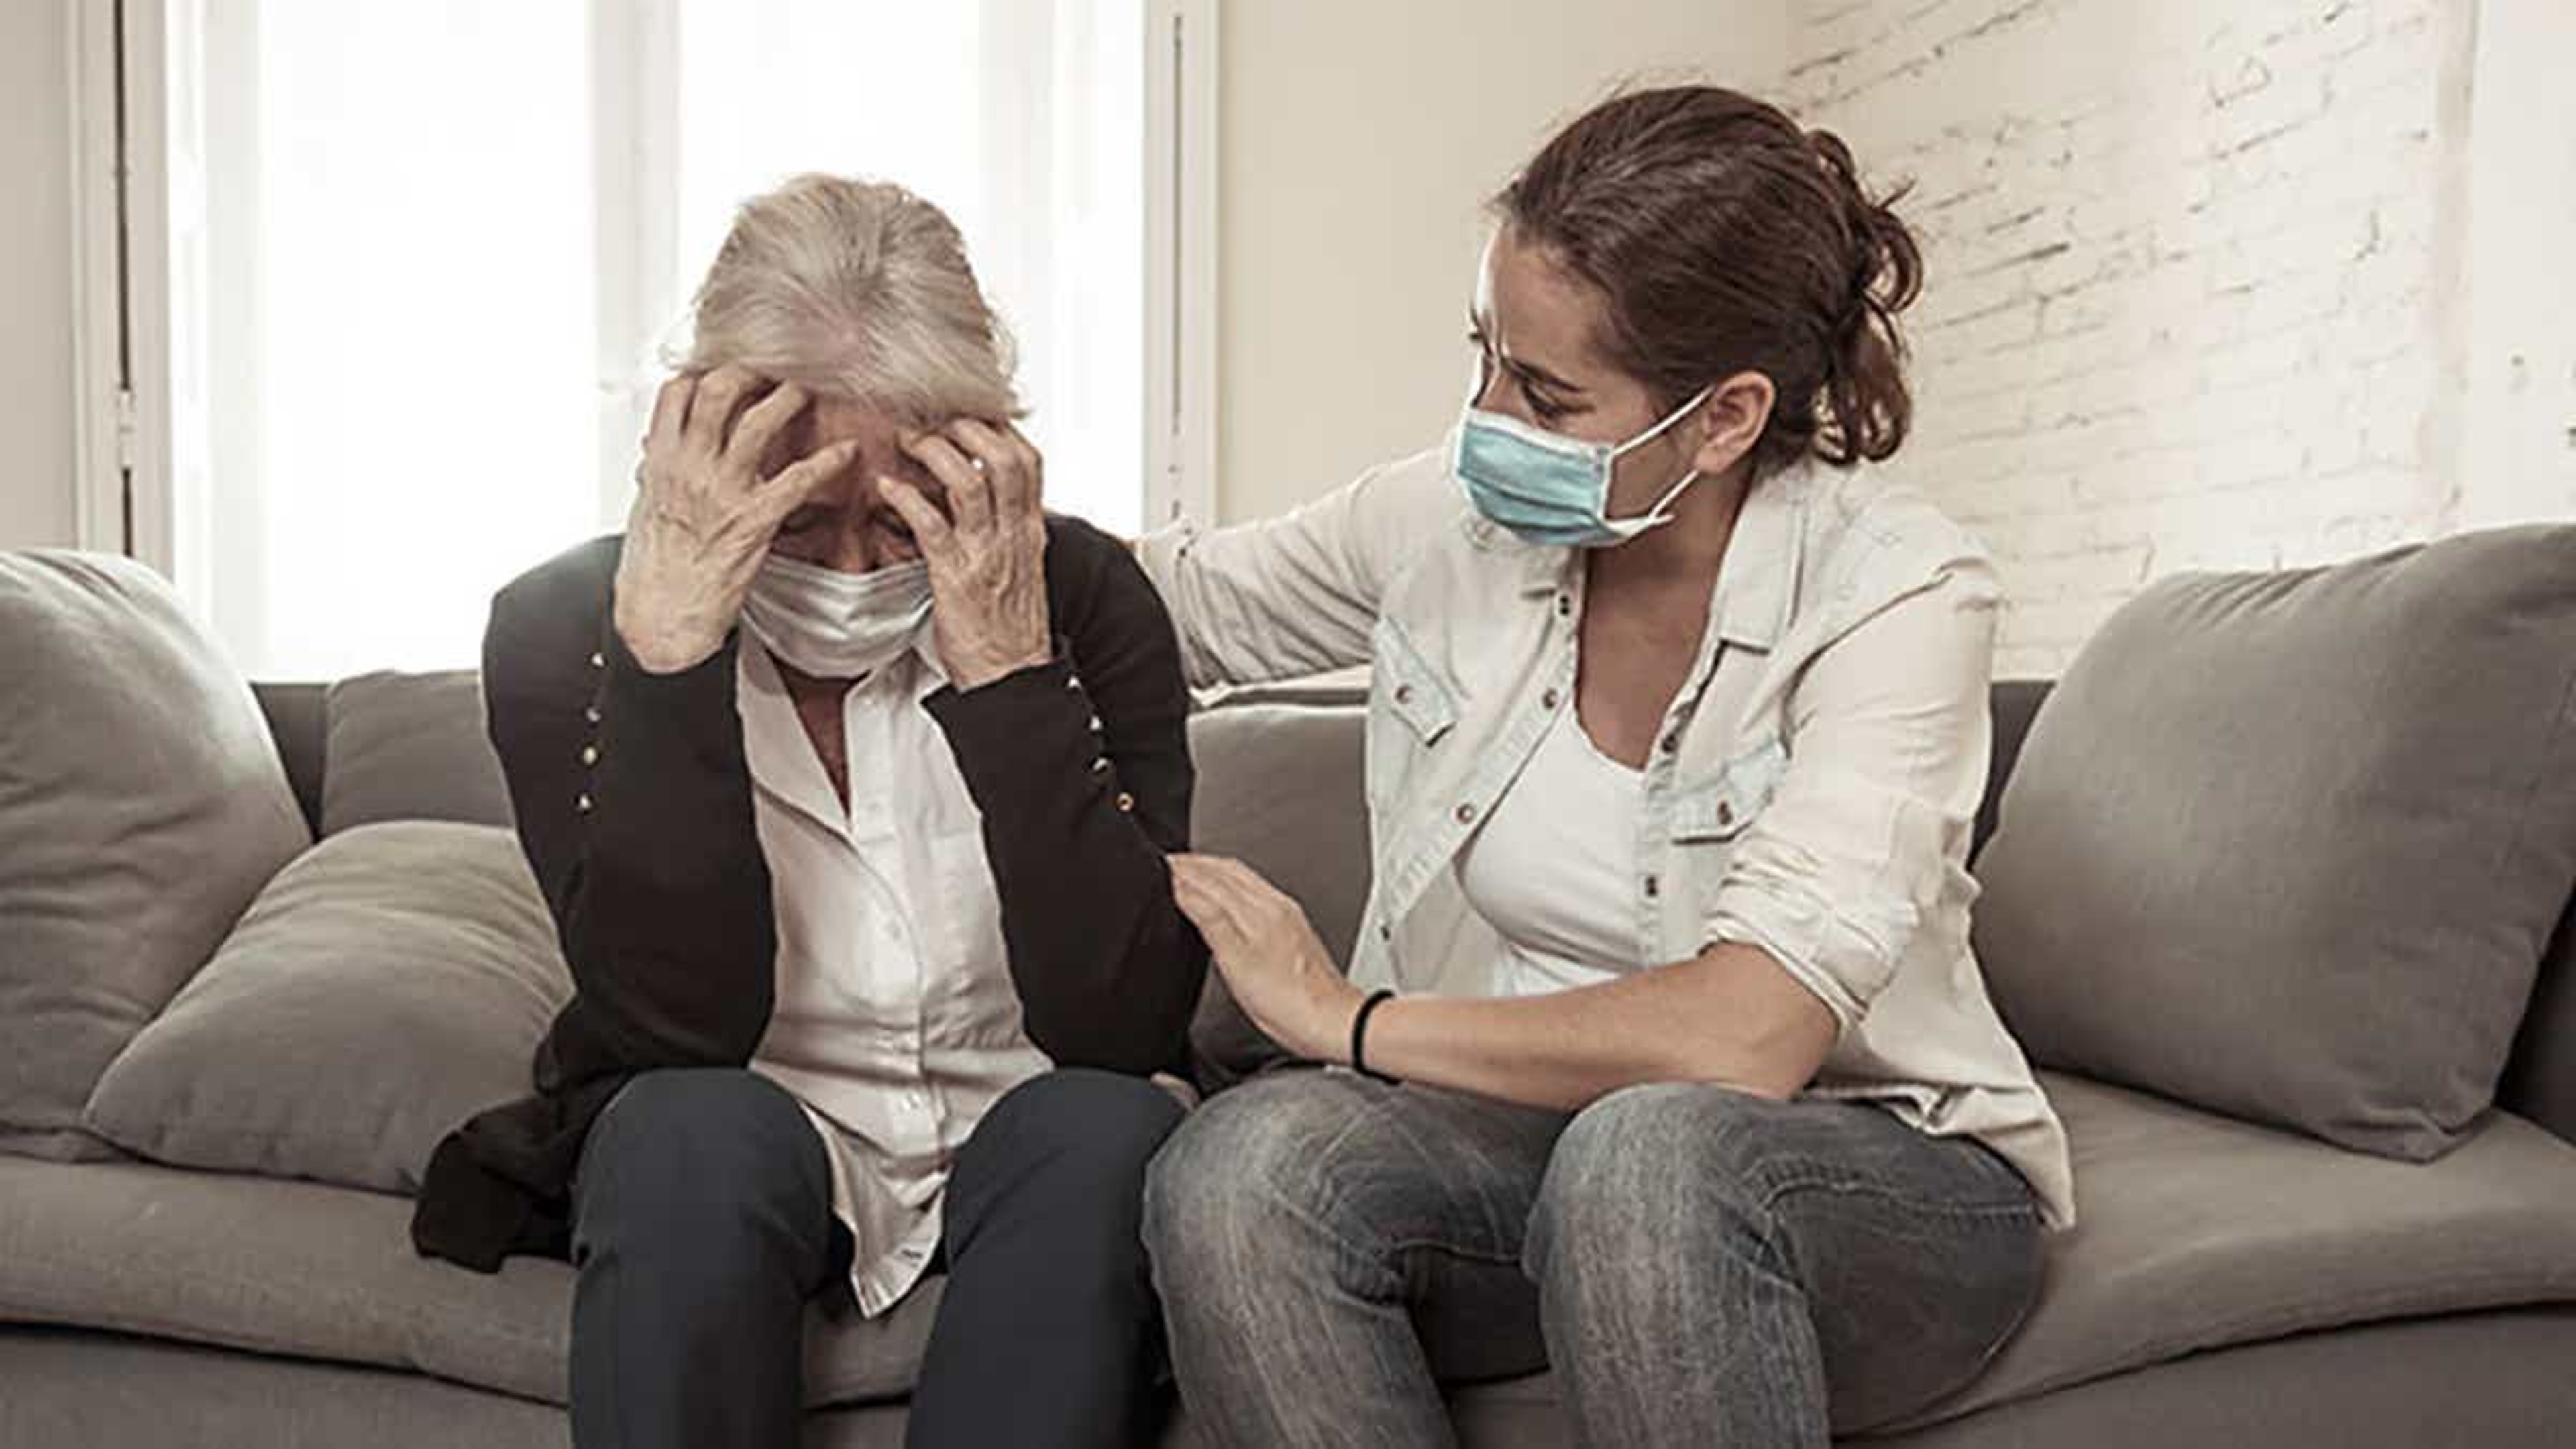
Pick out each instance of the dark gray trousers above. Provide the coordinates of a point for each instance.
(703, 1222)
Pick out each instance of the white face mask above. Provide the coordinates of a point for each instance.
(835, 625)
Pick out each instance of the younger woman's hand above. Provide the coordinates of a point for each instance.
(1274, 964)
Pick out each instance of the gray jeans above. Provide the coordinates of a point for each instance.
(1702, 1267)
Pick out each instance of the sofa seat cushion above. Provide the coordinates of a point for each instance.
(317, 1271)
(2198, 1231)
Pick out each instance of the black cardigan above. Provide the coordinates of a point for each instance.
(634, 807)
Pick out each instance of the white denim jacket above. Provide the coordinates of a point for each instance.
(1812, 791)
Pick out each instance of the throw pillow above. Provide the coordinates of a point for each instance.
(2290, 845)
(390, 983)
(142, 805)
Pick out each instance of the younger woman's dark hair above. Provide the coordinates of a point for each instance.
(1725, 238)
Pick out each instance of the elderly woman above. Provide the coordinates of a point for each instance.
(1664, 1059)
(848, 776)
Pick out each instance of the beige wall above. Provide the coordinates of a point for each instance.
(35, 276)
(1358, 142)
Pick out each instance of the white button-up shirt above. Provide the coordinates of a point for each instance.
(895, 1023)
(1812, 790)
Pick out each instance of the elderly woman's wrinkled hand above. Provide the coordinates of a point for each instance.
(987, 552)
(704, 515)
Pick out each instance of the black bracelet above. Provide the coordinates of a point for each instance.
(1359, 1034)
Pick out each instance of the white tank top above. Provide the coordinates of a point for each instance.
(1553, 866)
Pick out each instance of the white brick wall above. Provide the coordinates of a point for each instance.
(2193, 275)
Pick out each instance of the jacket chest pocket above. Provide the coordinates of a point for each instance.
(1412, 706)
(1718, 808)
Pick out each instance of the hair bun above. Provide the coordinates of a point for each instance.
(1724, 237)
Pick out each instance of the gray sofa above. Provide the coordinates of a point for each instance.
(2229, 1283)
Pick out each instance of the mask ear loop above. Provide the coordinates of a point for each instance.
(1654, 515)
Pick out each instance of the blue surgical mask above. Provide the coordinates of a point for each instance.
(1552, 490)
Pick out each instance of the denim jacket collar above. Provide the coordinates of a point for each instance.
(1759, 575)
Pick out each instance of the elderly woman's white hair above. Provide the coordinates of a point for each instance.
(860, 290)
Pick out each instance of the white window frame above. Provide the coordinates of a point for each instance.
(103, 419)
(1181, 63)
(127, 184)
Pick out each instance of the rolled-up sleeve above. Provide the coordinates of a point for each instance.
(1866, 834)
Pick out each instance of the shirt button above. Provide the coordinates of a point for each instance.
(1547, 701)
(582, 804)
(1385, 932)
(598, 660)
(1565, 606)
(1073, 681)
(1725, 813)
(1100, 764)
(1126, 801)
(1654, 887)
(1404, 694)
(1094, 725)
(590, 754)
(1670, 742)
(591, 713)
(1465, 813)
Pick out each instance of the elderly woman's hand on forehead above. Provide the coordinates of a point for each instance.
(704, 513)
(987, 551)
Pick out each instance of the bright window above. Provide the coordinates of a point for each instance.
(436, 246)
